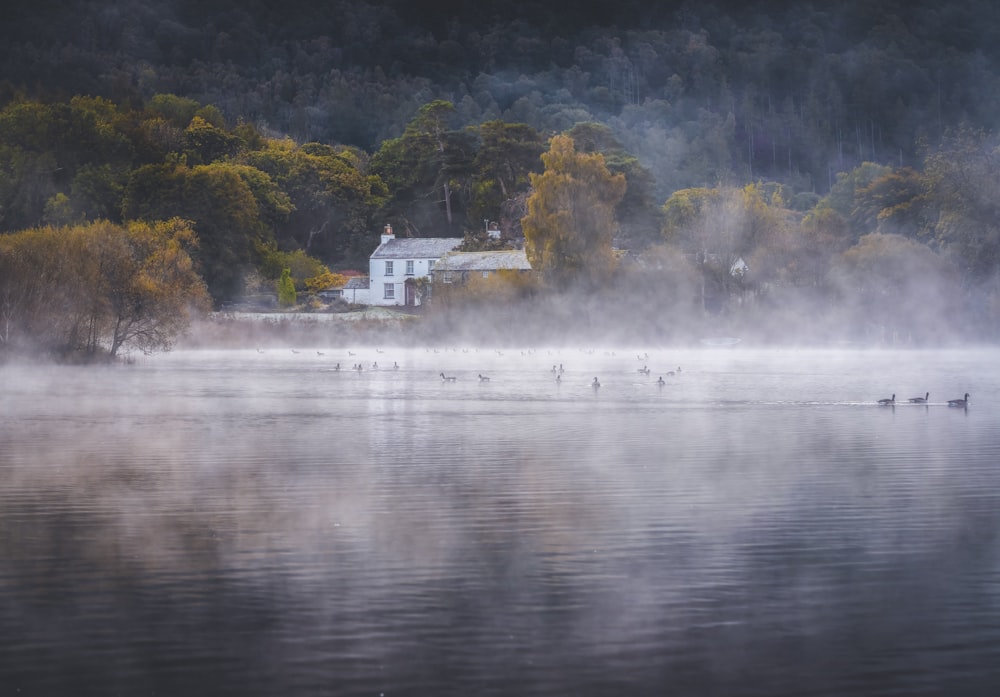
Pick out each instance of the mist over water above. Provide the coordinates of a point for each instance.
(238, 522)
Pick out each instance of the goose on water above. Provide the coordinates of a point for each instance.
(660, 381)
(920, 400)
(963, 402)
(595, 384)
(888, 400)
(483, 378)
(448, 378)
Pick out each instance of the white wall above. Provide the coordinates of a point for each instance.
(357, 295)
(378, 279)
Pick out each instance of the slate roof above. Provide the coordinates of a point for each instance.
(416, 248)
(357, 283)
(514, 259)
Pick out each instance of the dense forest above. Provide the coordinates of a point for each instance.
(832, 161)
(795, 91)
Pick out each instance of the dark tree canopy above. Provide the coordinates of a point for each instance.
(784, 90)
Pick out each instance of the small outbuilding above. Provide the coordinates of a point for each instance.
(458, 267)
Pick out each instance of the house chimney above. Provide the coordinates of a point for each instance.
(387, 233)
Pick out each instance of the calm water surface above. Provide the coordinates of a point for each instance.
(244, 523)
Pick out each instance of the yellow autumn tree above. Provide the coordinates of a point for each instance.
(98, 288)
(324, 280)
(152, 289)
(570, 224)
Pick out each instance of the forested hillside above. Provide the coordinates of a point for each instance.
(702, 91)
(782, 134)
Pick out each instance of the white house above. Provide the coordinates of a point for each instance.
(397, 261)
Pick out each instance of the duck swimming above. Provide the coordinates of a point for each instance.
(889, 400)
(963, 402)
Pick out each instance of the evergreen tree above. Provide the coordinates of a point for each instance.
(286, 289)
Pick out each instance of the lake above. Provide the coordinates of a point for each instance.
(258, 522)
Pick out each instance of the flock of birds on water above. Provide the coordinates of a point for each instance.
(957, 402)
(558, 370)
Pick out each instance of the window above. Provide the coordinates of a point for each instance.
(486, 274)
(447, 277)
(430, 266)
(388, 268)
(409, 267)
(390, 290)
